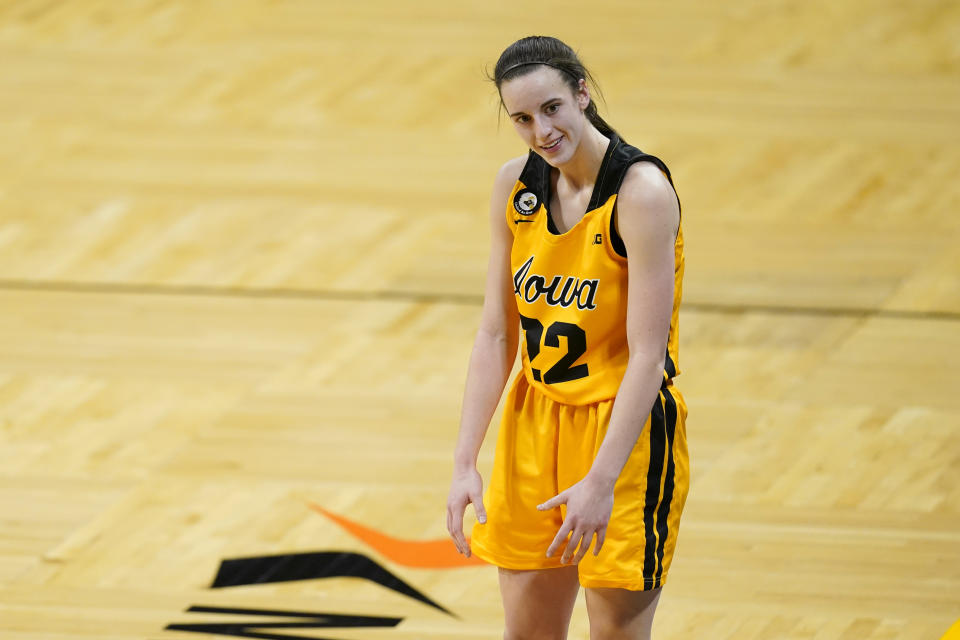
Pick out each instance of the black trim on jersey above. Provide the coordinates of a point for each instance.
(621, 162)
(552, 226)
(536, 178)
(615, 240)
(617, 159)
(602, 174)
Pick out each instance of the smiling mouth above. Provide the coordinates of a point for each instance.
(552, 145)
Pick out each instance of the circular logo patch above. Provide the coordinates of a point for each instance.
(525, 202)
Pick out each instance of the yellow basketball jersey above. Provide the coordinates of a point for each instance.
(571, 288)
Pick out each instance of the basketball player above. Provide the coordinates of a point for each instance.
(586, 260)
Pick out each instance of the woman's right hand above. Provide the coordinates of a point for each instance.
(467, 487)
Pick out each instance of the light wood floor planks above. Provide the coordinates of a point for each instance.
(242, 248)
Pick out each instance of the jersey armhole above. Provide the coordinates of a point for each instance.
(615, 240)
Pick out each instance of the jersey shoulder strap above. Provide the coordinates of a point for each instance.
(536, 175)
(612, 172)
(620, 156)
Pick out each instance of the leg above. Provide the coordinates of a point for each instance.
(619, 614)
(538, 604)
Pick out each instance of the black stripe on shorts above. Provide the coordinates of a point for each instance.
(669, 366)
(658, 432)
(670, 411)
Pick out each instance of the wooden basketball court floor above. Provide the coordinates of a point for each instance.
(242, 247)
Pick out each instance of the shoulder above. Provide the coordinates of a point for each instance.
(507, 176)
(647, 201)
(510, 172)
(503, 184)
(645, 186)
(648, 212)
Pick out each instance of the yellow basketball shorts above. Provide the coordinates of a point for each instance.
(544, 447)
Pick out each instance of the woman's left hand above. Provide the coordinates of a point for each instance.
(589, 504)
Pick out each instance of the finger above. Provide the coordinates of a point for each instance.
(558, 540)
(450, 527)
(479, 509)
(456, 529)
(601, 536)
(461, 542)
(584, 547)
(575, 540)
(460, 539)
(453, 536)
(553, 502)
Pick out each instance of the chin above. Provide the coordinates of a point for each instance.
(555, 161)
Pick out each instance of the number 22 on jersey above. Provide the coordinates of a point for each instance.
(562, 371)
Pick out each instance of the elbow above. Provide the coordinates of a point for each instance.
(648, 364)
(493, 335)
(497, 339)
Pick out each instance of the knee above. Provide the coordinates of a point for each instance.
(612, 630)
(618, 614)
(619, 627)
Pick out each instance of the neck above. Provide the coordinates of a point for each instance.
(584, 165)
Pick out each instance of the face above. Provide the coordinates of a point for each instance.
(546, 114)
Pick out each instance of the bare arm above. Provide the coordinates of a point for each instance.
(648, 222)
(494, 351)
(648, 218)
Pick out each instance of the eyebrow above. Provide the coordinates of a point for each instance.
(555, 99)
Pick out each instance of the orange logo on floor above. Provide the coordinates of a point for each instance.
(429, 554)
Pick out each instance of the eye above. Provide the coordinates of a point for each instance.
(551, 109)
(523, 119)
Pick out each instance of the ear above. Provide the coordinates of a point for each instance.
(583, 94)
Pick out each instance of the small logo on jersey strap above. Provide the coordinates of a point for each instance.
(525, 202)
(598, 239)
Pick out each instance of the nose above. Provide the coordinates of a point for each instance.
(542, 128)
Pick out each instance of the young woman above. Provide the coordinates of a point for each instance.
(586, 259)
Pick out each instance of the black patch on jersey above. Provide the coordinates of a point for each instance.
(535, 176)
(526, 202)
